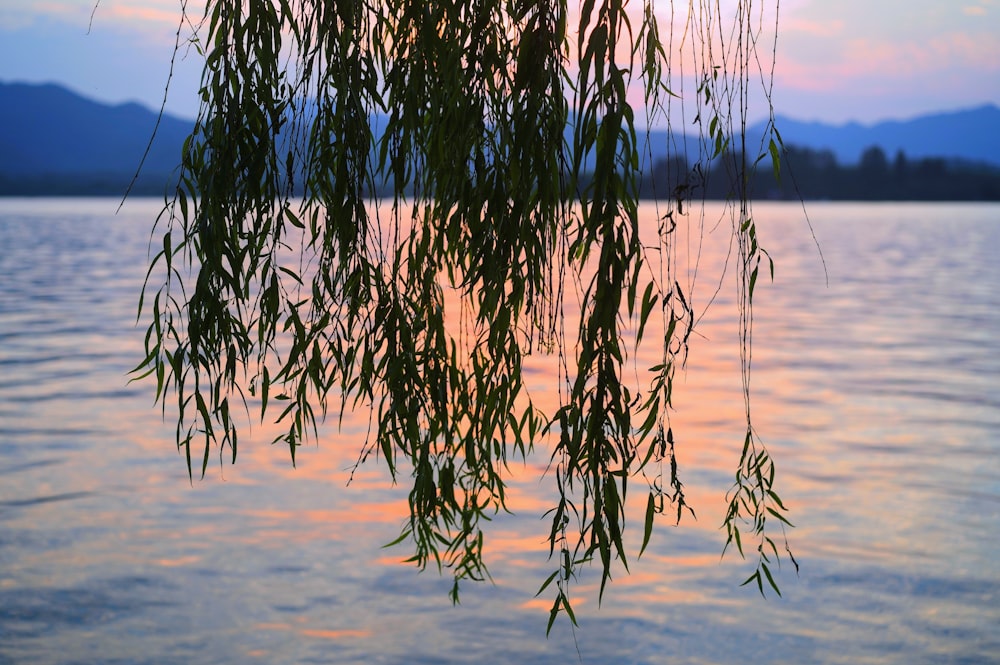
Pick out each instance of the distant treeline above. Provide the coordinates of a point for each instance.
(815, 175)
(80, 184)
(805, 174)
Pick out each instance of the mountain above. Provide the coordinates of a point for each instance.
(53, 140)
(969, 135)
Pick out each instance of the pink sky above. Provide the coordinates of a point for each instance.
(863, 60)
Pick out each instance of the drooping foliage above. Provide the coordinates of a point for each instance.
(384, 206)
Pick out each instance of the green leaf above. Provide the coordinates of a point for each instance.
(648, 302)
(770, 580)
(778, 515)
(569, 609)
(546, 583)
(553, 613)
(648, 527)
(775, 159)
(265, 386)
(754, 578)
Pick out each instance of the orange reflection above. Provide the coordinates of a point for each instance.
(335, 634)
(178, 561)
(322, 633)
(545, 605)
(707, 423)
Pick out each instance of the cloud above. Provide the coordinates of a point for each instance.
(23, 15)
(144, 14)
(134, 15)
(811, 28)
(864, 59)
(978, 9)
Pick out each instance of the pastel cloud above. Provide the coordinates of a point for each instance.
(145, 14)
(815, 28)
(861, 59)
(981, 8)
(135, 14)
(897, 57)
(19, 16)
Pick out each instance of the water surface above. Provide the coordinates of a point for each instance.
(878, 393)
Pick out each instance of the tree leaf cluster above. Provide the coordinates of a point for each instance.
(509, 149)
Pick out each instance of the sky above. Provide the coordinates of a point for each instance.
(837, 61)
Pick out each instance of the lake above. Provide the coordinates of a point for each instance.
(876, 386)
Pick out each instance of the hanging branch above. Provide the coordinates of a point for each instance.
(502, 140)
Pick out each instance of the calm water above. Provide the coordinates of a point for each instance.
(879, 396)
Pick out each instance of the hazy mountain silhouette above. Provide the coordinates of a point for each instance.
(54, 141)
(967, 135)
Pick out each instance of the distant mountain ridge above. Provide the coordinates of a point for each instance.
(970, 135)
(51, 137)
(55, 141)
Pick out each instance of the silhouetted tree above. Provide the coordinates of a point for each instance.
(507, 139)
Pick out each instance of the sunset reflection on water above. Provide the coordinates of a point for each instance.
(875, 395)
